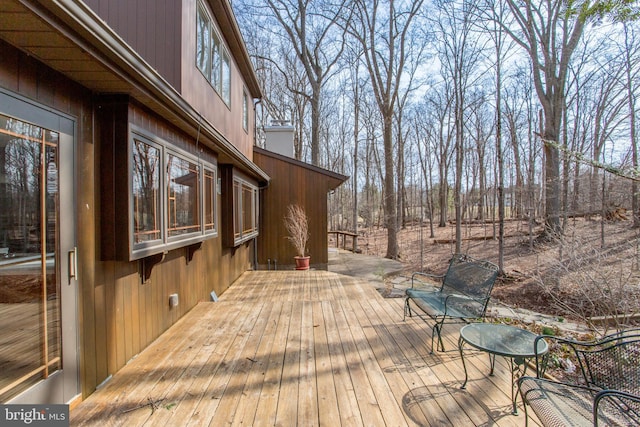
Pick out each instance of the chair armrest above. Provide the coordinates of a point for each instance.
(432, 278)
(542, 360)
(461, 300)
(624, 404)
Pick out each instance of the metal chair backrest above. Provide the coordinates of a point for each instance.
(612, 362)
(470, 277)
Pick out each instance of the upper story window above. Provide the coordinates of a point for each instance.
(212, 57)
(245, 111)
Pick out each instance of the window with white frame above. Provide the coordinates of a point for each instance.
(147, 203)
(212, 57)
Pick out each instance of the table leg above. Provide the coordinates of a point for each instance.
(464, 365)
(492, 363)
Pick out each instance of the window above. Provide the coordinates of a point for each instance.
(245, 202)
(245, 111)
(215, 60)
(203, 42)
(212, 58)
(210, 184)
(183, 195)
(225, 86)
(32, 183)
(147, 213)
(248, 220)
(173, 200)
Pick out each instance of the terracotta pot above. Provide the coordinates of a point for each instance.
(302, 262)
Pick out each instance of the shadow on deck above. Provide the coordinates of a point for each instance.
(301, 348)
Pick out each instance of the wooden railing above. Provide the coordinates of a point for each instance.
(344, 235)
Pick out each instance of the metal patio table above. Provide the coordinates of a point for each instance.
(513, 343)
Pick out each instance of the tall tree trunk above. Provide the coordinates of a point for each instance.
(354, 178)
(500, 158)
(390, 215)
(315, 123)
(552, 207)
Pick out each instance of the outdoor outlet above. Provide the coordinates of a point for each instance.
(173, 300)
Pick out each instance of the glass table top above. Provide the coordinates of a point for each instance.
(503, 340)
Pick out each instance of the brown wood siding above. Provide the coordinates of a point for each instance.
(198, 92)
(163, 32)
(151, 27)
(291, 184)
(119, 316)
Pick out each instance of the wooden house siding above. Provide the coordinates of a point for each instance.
(198, 91)
(119, 315)
(293, 182)
(151, 27)
(163, 33)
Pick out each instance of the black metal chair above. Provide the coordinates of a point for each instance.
(606, 393)
(462, 295)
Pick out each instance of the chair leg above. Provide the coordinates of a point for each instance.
(526, 415)
(433, 334)
(437, 329)
(407, 309)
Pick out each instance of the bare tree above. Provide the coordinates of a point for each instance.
(439, 109)
(496, 10)
(549, 32)
(385, 35)
(313, 37)
(459, 54)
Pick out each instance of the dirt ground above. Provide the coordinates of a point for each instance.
(592, 271)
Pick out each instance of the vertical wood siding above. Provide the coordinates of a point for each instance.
(151, 27)
(291, 184)
(119, 316)
(163, 32)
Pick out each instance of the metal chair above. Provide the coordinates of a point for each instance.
(608, 389)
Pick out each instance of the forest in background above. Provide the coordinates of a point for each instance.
(456, 110)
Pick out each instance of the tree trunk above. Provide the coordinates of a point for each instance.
(552, 184)
(390, 216)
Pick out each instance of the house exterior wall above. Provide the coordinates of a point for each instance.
(163, 33)
(198, 92)
(119, 315)
(293, 183)
(152, 27)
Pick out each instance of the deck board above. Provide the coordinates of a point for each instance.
(306, 348)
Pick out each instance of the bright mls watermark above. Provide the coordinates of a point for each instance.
(34, 415)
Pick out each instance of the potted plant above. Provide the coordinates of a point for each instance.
(297, 225)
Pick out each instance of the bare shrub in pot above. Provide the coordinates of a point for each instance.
(297, 224)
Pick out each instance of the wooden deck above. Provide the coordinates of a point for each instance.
(301, 348)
